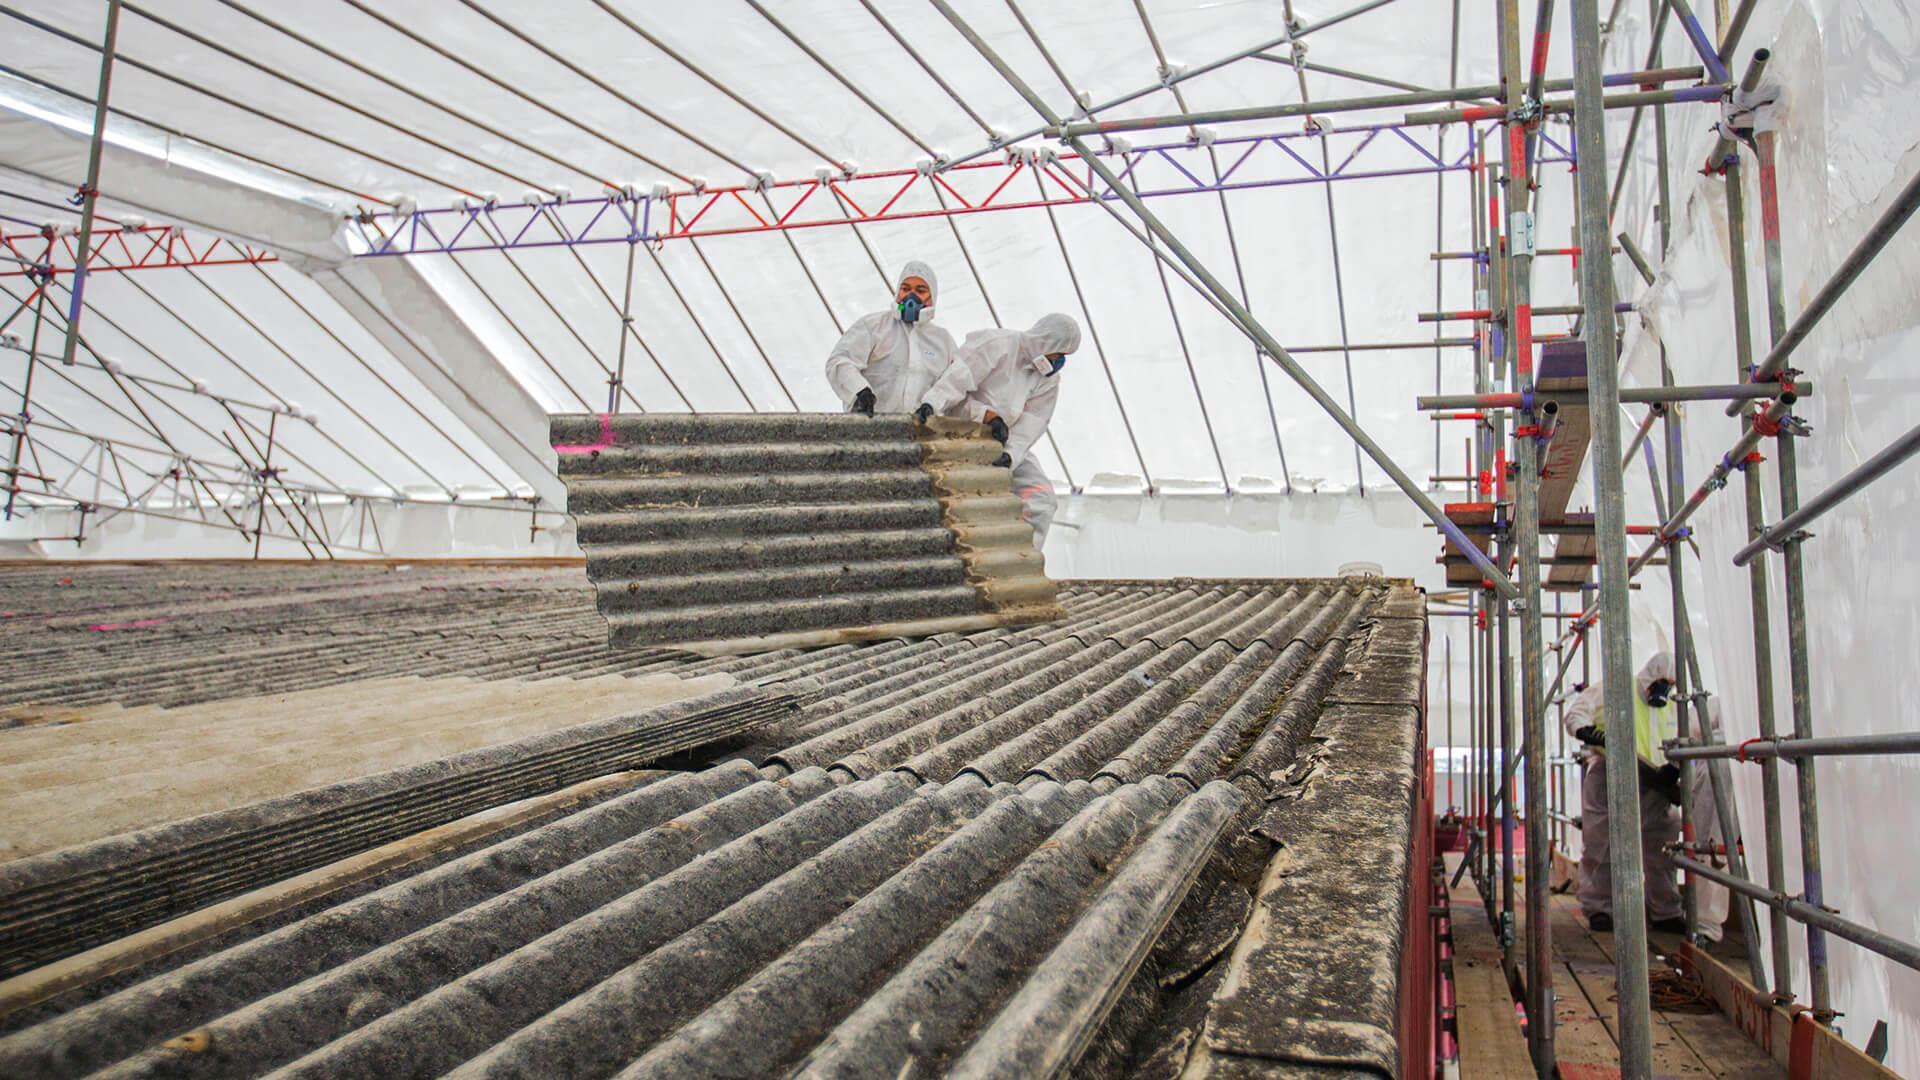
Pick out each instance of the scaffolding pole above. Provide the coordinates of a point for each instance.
(1530, 435)
(1610, 519)
(1799, 674)
(90, 191)
(1759, 596)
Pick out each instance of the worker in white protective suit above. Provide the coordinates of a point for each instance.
(1010, 381)
(1654, 721)
(886, 361)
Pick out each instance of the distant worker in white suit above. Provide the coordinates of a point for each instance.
(886, 361)
(1010, 381)
(1654, 722)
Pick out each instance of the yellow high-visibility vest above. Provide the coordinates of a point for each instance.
(1651, 727)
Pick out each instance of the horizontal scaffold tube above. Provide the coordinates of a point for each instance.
(1890, 947)
(1538, 254)
(1320, 108)
(1903, 742)
(1634, 100)
(1633, 395)
(1778, 535)
(1384, 346)
(1489, 313)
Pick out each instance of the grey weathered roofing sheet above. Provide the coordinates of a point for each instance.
(1014, 852)
(737, 532)
(58, 903)
(1315, 984)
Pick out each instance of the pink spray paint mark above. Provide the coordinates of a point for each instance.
(131, 625)
(606, 439)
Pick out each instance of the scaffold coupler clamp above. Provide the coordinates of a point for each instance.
(1719, 168)
(1529, 112)
(1742, 112)
(1797, 536)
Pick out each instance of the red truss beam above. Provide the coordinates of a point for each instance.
(50, 253)
(831, 199)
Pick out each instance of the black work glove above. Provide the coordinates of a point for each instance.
(1591, 735)
(1004, 461)
(863, 401)
(998, 428)
(1666, 780)
(923, 413)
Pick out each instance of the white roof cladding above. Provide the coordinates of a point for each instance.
(736, 322)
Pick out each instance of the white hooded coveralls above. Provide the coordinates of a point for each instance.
(897, 359)
(1710, 911)
(1659, 819)
(1007, 372)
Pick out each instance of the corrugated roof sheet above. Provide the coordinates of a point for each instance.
(752, 531)
(1017, 852)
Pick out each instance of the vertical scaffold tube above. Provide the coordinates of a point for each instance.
(89, 191)
(1635, 1024)
(1799, 675)
(1508, 922)
(1526, 528)
(1759, 597)
(1489, 854)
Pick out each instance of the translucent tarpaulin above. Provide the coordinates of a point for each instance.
(1167, 391)
(450, 361)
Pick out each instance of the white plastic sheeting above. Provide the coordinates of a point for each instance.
(1850, 139)
(1247, 536)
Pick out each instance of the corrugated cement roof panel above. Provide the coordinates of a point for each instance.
(1014, 852)
(731, 533)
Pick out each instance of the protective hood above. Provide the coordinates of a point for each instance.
(1658, 666)
(916, 268)
(1054, 333)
